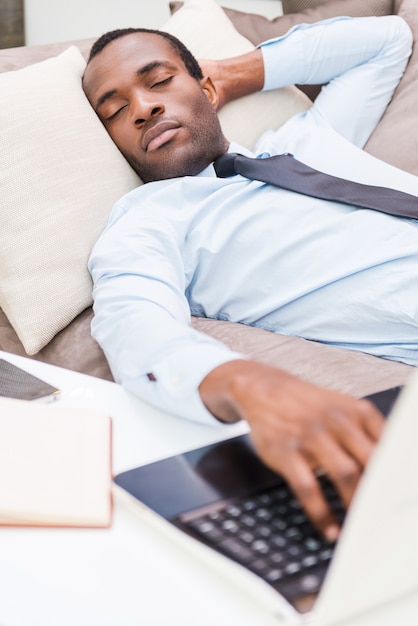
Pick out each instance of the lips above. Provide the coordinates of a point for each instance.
(158, 135)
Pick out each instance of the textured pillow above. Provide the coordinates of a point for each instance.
(258, 28)
(204, 27)
(60, 173)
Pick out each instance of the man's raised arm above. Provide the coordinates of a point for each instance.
(363, 59)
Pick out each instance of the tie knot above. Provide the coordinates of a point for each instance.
(224, 165)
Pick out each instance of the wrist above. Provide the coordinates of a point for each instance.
(217, 390)
(241, 76)
(231, 390)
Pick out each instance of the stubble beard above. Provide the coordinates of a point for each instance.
(206, 144)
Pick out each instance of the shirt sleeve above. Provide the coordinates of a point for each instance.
(360, 60)
(142, 317)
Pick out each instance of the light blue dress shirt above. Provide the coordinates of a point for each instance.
(240, 250)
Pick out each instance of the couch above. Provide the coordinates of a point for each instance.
(60, 177)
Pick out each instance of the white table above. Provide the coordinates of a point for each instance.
(131, 574)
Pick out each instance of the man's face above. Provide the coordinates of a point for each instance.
(162, 119)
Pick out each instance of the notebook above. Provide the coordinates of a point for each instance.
(55, 465)
(224, 497)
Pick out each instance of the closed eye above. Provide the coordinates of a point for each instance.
(115, 114)
(163, 82)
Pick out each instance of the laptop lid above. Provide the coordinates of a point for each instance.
(376, 559)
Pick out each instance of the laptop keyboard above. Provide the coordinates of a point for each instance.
(269, 534)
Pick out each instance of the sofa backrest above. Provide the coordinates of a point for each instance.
(16, 58)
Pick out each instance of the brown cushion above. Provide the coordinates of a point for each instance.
(396, 138)
(392, 141)
(348, 371)
(354, 7)
(16, 58)
(72, 348)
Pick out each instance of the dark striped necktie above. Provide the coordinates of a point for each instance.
(287, 172)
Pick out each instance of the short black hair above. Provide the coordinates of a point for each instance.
(184, 53)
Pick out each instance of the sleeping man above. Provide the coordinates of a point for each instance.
(190, 242)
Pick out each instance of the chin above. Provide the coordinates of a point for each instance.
(176, 167)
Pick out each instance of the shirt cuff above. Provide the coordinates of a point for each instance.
(281, 74)
(176, 377)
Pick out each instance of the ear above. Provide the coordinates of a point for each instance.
(211, 91)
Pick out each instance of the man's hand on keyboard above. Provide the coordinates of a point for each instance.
(298, 429)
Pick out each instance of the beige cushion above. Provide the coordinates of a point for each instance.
(61, 173)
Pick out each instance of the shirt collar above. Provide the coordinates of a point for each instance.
(209, 171)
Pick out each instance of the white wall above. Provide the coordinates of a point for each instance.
(48, 21)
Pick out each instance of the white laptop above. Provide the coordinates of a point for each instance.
(236, 514)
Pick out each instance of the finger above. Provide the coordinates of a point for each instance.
(372, 420)
(307, 490)
(339, 465)
(350, 435)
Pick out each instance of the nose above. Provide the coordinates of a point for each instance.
(145, 107)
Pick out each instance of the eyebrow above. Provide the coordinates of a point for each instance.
(145, 69)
